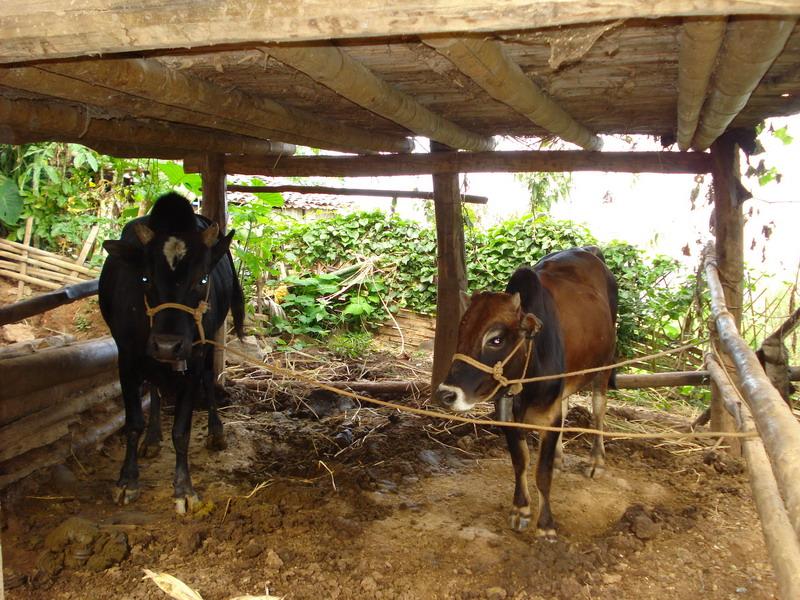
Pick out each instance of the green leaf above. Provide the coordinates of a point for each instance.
(783, 135)
(10, 201)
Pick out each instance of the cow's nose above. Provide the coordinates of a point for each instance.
(166, 347)
(446, 396)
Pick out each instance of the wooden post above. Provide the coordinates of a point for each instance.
(214, 206)
(729, 247)
(452, 272)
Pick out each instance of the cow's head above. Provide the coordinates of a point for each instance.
(490, 331)
(172, 268)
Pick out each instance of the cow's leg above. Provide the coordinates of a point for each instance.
(599, 389)
(127, 488)
(558, 461)
(151, 444)
(520, 458)
(545, 525)
(216, 436)
(185, 496)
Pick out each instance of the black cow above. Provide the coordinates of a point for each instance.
(168, 283)
(556, 317)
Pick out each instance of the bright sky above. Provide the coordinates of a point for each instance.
(649, 210)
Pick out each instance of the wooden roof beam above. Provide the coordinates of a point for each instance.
(334, 68)
(150, 79)
(467, 162)
(40, 82)
(335, 191)
(62, 122)
(47, 30)
(750, 47)
(700, 40)
(485, 62)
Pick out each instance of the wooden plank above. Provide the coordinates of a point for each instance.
(52, 29)
(468, 162)
(47, 257)
(484, 61)
(334, 68)
(23, 269)
(33, 120)
(750, 47)
(334, 191)
(452, 270)
(11, 313)
(776, 424)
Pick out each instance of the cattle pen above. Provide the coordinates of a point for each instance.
(233, 87)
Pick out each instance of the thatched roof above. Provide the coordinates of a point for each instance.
(621, 75)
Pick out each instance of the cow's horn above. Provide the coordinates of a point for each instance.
(210, 235)
(143, 232)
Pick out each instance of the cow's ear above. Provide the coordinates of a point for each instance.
(221, 247)
(210, 235)
(515, 300)
(531, 324)
(128, 253)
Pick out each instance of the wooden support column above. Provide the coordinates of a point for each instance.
(452, 271)
(214, 206)
(729, 247)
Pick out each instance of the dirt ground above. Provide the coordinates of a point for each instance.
(315, 497)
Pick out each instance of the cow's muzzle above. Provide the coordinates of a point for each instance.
(169, 348)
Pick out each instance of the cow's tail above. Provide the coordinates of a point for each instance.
(612, 379)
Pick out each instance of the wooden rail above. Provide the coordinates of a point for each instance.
(11, 313)
(779, 430)
(334, 191)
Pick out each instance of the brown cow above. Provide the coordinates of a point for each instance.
(559, 317)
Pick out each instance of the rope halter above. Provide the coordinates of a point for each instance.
(514, 385)
(197, 313)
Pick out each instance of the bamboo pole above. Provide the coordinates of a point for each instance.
(27, 374)
(59, 121)
(24, 267)
(11, 313)
(41, 273)
(467, 162)
(700, 40)
(152, 80)
(46, 257)
(781, 540)
(485, 62)
(751, 46)
(87, 247)
(51, 423)
(778, 428)
(76, 90)
(334, 191)
(334, 68)
(28, 279)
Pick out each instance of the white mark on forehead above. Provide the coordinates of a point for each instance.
(174, 251)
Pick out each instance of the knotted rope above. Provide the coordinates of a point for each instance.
(197, 313)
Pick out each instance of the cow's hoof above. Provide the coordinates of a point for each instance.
(519, 522)
(548, 535)
(147, 450)
(186, 503)
(216, 442)
(123, 494)
(595, 471)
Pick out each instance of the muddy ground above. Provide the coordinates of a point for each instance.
(320, 499)
(317, 498)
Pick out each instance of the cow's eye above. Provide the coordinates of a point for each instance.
(145, 279)
(496, 341)
(204, 280)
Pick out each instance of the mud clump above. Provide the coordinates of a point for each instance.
(78, 543)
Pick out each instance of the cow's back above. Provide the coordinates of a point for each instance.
(585, 297)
